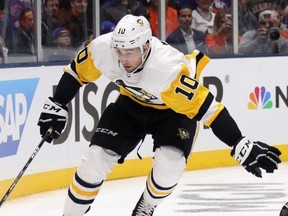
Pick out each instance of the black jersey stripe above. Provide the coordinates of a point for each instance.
(204, 107)
(199, 56)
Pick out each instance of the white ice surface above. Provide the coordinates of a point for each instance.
(222, 192)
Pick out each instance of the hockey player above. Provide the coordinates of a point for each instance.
(160, 94)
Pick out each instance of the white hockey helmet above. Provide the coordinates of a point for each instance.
(131, 32)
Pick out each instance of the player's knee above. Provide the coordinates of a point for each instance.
(96, 164)
(168, 165)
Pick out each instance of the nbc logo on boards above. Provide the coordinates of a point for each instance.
(260, 98)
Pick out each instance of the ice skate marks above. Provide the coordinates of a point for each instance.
(230, 197)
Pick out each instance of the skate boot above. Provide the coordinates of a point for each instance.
(284, 210)
(142, 208)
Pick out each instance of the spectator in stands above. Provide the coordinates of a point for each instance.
(2, 6)
(114, 10)
(141, 11)
(184, 38)
(218, 5)
(246, 18)
(61, 37)
(64, 12)
(77, 23)
(171, 22)
(173, 3)
(2, 16)
(12, 23)
(25, 35)
(15, 8)
(191, 4)
(3, 51)
(285, 16)
(257, 6)
(220, 41)
(279, 13)
(49, 21)
(106, 27)
(266, 39)
(61, 50)
(90, 13)
(141, 2)
(202, 17)
(282, 3)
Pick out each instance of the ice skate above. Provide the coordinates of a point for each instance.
(142, 208)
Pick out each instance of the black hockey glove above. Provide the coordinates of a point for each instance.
(255, 155)
(53, 114)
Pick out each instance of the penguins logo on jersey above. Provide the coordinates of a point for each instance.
(183, 133)
(140, 22)
(140, 94)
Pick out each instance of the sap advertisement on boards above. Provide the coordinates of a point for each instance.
(254, 92)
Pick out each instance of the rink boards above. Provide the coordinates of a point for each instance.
(254, 92)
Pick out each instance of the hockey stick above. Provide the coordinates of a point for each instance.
(48, 133)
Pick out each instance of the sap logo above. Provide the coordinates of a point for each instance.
(106, 131)
(15, 100)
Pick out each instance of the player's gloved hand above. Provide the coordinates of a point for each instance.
(255, 155)
(53, 114)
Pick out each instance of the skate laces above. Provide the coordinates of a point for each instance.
(143, 208)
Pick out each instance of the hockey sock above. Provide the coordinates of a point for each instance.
(168, 166)
(80, 197)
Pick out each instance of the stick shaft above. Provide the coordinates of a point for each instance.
(48, 133)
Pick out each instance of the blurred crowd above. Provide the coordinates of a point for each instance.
(206, 25)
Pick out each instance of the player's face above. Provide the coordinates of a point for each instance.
(129, 58)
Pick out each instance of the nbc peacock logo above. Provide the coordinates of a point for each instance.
(260, 98)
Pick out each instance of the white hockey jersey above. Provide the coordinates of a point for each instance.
(168, 79)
